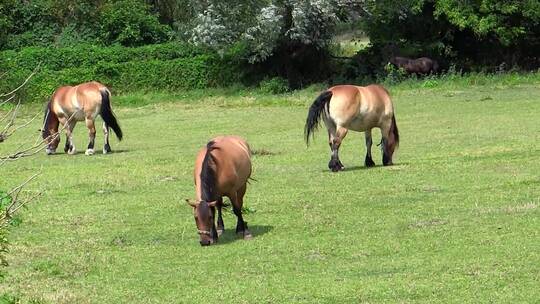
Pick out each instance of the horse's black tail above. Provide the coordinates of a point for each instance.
(107, 113)
(394, 133)
(319, 106)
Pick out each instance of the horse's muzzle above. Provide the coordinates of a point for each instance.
(205, 242)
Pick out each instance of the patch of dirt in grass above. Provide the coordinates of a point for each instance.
(168, 178)
(120, 241)
(262, 152)
(510, 209)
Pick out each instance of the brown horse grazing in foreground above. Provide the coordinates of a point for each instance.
(222, 168)
(348, 107)
(420, 66)
(71, 104)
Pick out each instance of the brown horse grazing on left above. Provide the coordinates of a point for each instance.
(349, 107)
(83, 102)
(222, 168)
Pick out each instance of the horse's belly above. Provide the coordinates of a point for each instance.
(362, 123)
(74, 115)
(357, 124)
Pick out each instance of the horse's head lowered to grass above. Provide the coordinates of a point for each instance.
(204, 219)
(50, 128)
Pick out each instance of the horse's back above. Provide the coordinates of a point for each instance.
(377, 104)
(84, 99)
(235, 151)
(360, 108)
(89, 95)
(232, 155)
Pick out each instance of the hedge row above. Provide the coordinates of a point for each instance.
(165, 67)
(88, 55)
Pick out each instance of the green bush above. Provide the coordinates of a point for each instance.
(130, 23)
(87, 55)
(276, 85)
(165, 67)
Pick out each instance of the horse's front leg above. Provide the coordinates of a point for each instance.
(214, 231)
(237, 200)
(369, 160)
(220, 225)
(91, 135)
(334, 141)
(69, 148)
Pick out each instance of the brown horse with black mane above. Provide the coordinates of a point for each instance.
(83, 102)
(349, 107)
(222, 168)
(419, 66)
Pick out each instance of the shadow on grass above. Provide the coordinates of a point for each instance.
(229, 236)
(96, 153)
(362, 167)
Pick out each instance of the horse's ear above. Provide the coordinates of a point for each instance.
(212, 204)
(192, 203)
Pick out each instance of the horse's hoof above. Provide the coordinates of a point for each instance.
(335, 165)
(248, 236)
(72, 151)
(49, 151)
(89, 152)
(219, 232)
(334, 169)
(337, 168)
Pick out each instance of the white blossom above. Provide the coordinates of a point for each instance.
(312, 24)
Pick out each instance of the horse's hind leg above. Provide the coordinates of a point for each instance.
(387, 155)
(107, 146)
(91, 136)
(237, 200)
(220, 225)
(334, 140)
(369, 161)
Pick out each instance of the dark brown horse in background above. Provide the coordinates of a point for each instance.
(83, 102)
(419, 66)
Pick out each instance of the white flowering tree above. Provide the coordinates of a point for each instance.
(267, 26)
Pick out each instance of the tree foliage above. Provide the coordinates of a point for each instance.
(128, 22)
(468, 33)
(289, 38)
(65, 22)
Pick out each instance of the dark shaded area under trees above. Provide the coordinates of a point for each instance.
(285, 38)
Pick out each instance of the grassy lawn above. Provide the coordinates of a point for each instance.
(456, 219)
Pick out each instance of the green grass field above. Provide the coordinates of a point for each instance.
(455, 220)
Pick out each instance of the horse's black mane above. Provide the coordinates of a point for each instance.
(208, 175)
